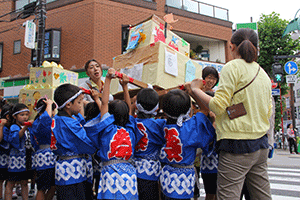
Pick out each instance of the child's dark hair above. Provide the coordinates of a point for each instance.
(2, 102)
(148, 99)
(86, 65)
(91, 111)
(42, 105)
(64, 92)
(120, 110)
(17, 107)
(175, 103)
(288, 126)
(210, 70)
(246, 41)
(6, 110)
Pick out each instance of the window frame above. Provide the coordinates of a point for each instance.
(15, 41)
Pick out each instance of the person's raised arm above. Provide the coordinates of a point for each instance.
(48, 103)
(25, 127)
(105, 96)
(2, 123)
(124, 81)
(95, 95)
(199, 95)
(202, 107)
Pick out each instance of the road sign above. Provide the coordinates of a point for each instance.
(275, 92)
(252, 25)
(291, 78)
(291, 67)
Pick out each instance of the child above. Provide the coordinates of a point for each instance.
(44, 157)
(183, 136)
(4, 145)
(116, 141)
(22, 142)
(71, 144)
(147, 150)
(92, 111)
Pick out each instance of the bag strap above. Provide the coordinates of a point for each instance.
(247, 84)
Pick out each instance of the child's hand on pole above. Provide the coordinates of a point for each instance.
(110, 73)
(124, 80)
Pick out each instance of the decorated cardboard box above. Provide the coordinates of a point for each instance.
(29, 97)
(153, 30)
(156, 64)
(52, 76)
(43, 82)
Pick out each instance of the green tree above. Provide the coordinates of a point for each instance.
(271, 43)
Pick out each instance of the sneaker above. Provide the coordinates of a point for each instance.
(31, 193)
(14, 195)
(18, 190)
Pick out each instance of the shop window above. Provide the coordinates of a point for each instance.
(17, 46)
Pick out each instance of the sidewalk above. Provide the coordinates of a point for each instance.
(283, 158)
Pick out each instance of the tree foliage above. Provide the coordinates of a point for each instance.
(271, 43)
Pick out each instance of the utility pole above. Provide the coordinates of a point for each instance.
(41, 32)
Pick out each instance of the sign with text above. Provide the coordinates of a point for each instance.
(275, 92)
(291, 78)
(30, 29)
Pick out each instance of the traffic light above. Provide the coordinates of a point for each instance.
(28, 10)
(277, 72)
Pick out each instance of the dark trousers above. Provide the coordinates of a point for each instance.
(292, 142)
(148, 189)
(78, 191)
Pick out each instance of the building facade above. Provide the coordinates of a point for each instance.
(95, 29)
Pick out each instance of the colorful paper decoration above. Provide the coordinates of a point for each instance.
(159, 35)
(63, 77)
(190, 71)
(184, 43)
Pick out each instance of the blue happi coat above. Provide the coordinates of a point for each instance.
(179, 152)
(116, 143)
(148, 148)
(4, 149)
(17, 153)
(44, 157)
(73, 147)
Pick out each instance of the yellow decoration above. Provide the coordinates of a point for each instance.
(142, 38)
(60, 66)
(54, 64)
(46, 64)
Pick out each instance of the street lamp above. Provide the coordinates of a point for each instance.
(294, 26)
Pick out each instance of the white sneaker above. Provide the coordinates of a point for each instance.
(14, 195)
(31, 193)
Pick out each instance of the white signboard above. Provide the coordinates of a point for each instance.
(30, 29)
(291, 78)
(171, 62)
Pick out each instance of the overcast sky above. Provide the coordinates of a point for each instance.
(241, 11)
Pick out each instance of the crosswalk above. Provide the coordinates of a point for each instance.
(284, 183)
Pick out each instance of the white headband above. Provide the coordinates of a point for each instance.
(182, 118)
(71, 99)
(151, 112)
(20, 111)
(38, 110)
(5, 113)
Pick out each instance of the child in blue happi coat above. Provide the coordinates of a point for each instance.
(183, 135)
(72, 145)
(4, 145)
(23, 145)
(44, 157)
(116, 137)
(148, 148)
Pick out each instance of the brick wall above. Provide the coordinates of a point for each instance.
(92, 29)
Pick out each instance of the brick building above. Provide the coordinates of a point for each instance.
(93, 29)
